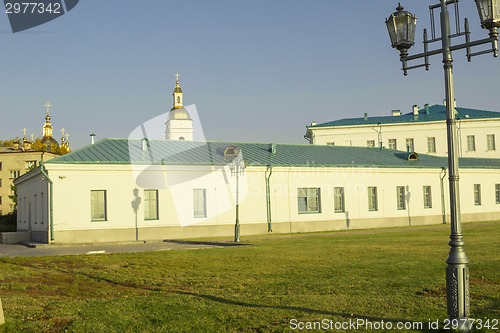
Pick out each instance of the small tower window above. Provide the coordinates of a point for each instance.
(178, 99)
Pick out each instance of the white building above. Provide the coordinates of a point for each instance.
(422, 130)
(121, 190)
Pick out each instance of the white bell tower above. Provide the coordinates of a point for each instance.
(179, 125)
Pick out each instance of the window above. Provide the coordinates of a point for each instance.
(431, 145)
(14, 174)
(29, 165)
(0, 182)
(477, 194)
(427, 197)
(0, 166)
(338, 197)
(370, 143)
(98, 205)
(409, 144)
(471, 143)
(200, 202)
(393, 144)
(490, 142)
(330, 143)
(150, 204)
(372, 198)
(0, 200)
(401, 196)
(178, 99)
(497, 193)
(308, 200)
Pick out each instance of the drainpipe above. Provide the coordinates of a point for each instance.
(51, 209)
(268, 198)
(442, 175)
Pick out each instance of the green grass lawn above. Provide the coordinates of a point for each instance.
(391, 275)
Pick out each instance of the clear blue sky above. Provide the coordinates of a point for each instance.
(256, 70)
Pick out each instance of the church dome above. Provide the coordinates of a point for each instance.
(49, 140)
(181, 113)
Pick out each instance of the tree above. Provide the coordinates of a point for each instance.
(13, 196)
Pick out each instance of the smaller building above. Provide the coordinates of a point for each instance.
(15, 162)
(422, 130)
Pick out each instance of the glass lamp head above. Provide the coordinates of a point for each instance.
(401, 27)
(489, 13)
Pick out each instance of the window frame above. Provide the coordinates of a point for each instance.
(411, 145)
(372, 198)
(13, 173)
(471, 143)
(309, 198)
(147, 203)
(427, 196)
(93, 209)
(392, 144)
(338, 200)
(401, 197)
(497, 193)
(490, 142)
(477, 194)
(370, 143)
(196, 210)
(431, 144)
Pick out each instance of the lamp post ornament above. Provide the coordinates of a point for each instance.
(401, 27)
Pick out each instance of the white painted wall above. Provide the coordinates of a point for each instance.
(359, 135)
(73, 183)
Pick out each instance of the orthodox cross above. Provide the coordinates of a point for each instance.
(62, 131)
(24, 131)
(48, 106)
(177, 77)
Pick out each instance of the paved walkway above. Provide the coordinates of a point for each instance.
(8, 250)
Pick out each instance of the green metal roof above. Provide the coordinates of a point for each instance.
(158, 152)
(432, 113)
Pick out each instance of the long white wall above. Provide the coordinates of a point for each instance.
(125, 185)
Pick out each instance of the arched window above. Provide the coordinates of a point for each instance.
(178, 99)
(181, 138)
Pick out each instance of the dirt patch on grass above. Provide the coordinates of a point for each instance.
(432, 292)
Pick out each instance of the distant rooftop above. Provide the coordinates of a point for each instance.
(429, 114)
(166, 152)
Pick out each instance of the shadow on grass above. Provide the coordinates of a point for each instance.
(224, 244)
(353, 317)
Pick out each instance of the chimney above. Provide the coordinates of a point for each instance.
(454, 103)
(396, 113)
(272, 148)
(366, 116)
(427, 111)
(415, 110)
(92, 138)
(313, 123)
(145, 144)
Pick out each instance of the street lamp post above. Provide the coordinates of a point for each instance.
(401, 26)
(237, 167)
